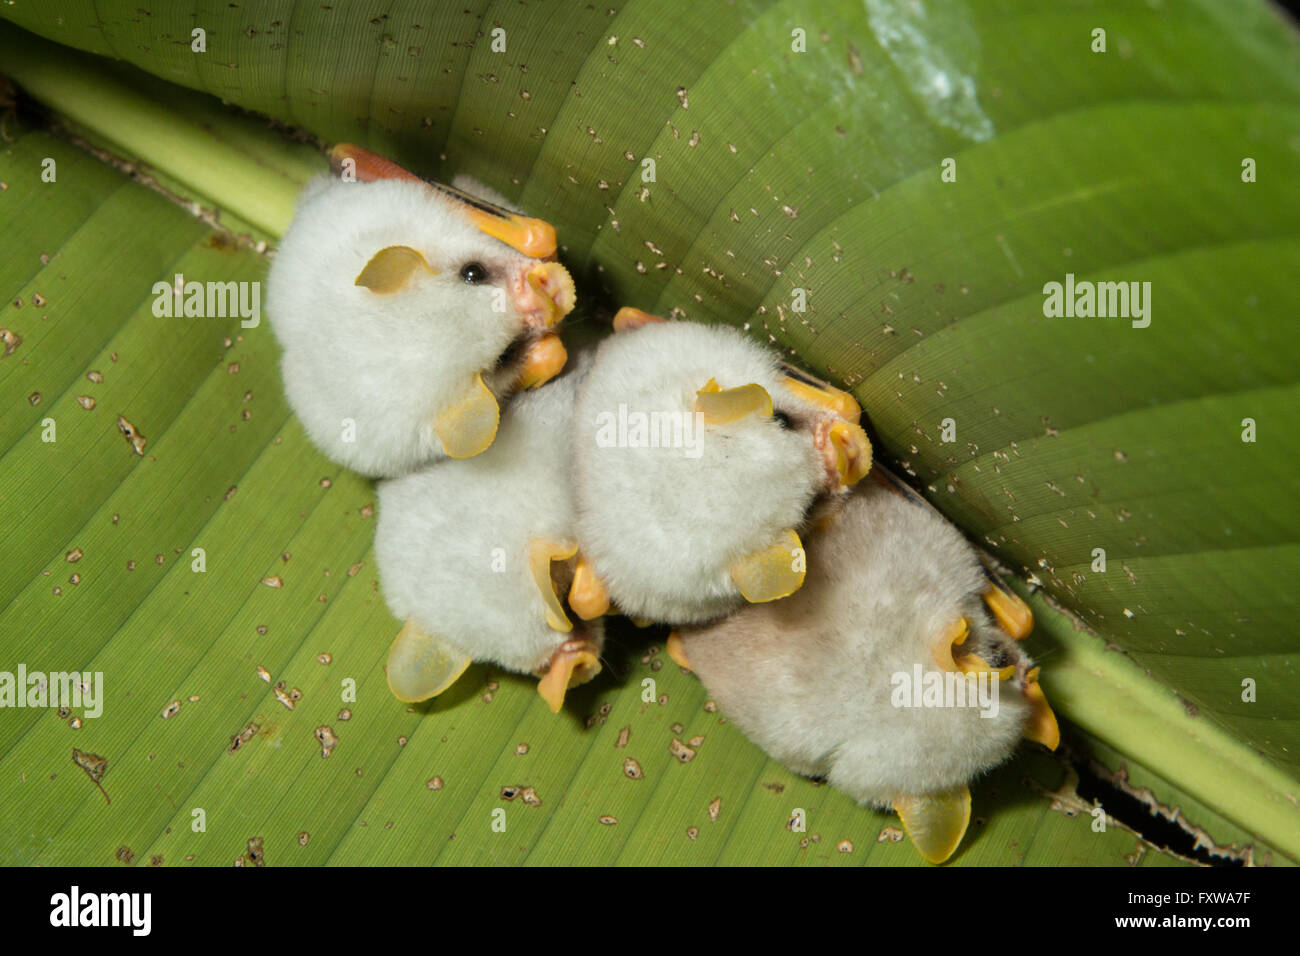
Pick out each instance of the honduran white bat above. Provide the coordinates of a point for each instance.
(407, 311)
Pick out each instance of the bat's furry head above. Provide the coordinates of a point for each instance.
(665, 526)
(822, 681)
(379, 344)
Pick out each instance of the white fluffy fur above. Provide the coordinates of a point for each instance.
(439, 527)
(808, 678)
(661, 528)
(390, 363)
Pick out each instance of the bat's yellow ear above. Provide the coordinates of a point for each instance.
(628, 319)
(773, 572)
(937, 822)
(541, 552)
(720, 406)
(422, 665)
(953, 637)
(391, 268)
(1042, 726)
(532, 237)
(834, 400)
(467, 427)
(366, 165)
(1012, 614)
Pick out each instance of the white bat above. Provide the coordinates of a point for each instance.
(407, 310)
(849, 678)
(474, 556)
(697, 454)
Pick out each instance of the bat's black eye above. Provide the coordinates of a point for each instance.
(782, 419)
(475, 273)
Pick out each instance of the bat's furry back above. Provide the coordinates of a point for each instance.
(810, 678)
(452, 539)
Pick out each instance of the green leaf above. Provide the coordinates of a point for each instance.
(774, 171)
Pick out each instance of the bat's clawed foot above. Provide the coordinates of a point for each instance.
(543, 359)
(574, 663)
(676, 649)
(588, 596)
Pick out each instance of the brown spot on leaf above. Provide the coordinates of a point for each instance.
(328, 740)
(132, 434)
(683, 753)
(244, 736)
(95, 767)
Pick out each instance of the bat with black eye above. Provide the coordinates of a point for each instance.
(696, 456)
(407, 311)
(848, 678)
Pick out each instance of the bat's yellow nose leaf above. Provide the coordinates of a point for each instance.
(468, 427)
(937, 822)
(541, 553)
(553, 284)
(852, 452)
(391, 268)
(422, 665)
(731, 404)
(974, 664)
(773, 572)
